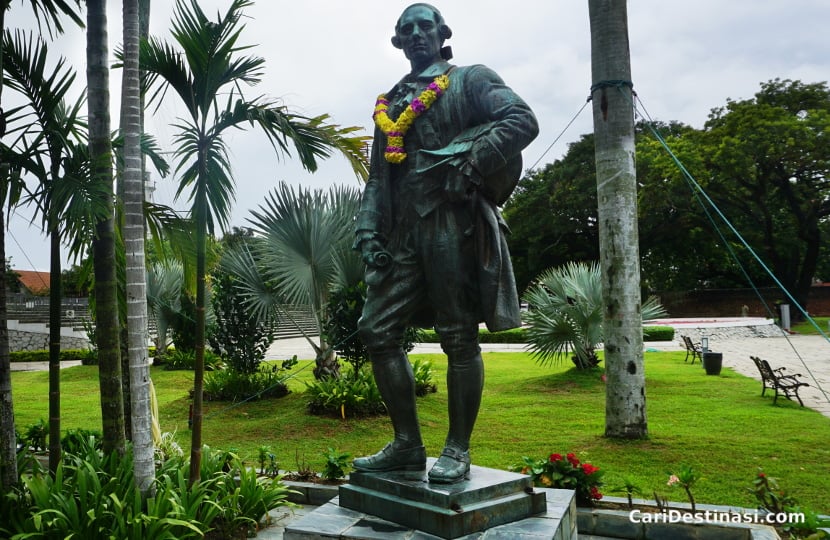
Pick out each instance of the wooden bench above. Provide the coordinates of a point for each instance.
(775, 379)
(692, 349)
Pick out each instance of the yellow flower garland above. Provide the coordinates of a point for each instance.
(396, 130)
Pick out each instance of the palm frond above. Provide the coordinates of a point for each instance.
(260, 297)
(51, 13)
(566, 312)
(25, 62)
(306, 234)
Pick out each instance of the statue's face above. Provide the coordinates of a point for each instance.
(420, 37)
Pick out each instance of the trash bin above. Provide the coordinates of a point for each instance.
(712, 362)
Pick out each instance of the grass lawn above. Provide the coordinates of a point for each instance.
(721, 426)
(806, 327)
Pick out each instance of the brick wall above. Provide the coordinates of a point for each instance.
(729, 302)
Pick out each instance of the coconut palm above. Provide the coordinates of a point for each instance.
(50, 12)
(566, 311)
(206, 66)
(302, 252)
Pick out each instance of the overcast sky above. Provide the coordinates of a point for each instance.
(324, 56)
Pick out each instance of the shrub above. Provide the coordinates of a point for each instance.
(423, 378)
(564, 473)
(81, 441)
(519, 335)
(43, 355)
(267, 382)
(566, 315)
(353, 394)
(343, 310)
(94, 496)
(268, 465)
(36, 435)
(658, 333)
(177, 359)
(240, 338)
(515, 335)
(336, 465)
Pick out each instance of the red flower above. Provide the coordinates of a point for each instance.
(595, 493)
(762, 475)
(589, 469)
(555, 457)
(572, 459)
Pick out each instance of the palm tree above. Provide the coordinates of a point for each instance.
(613, 108)
(63, 187)
(165, 280)
(50, 11)
(207, 66)
(304, 250)
(103, 245)
(566, 314)
(133, 231)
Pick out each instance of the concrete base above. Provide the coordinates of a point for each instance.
(493, 504)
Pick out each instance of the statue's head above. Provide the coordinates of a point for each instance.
(420, 32)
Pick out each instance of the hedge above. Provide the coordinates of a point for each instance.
(517, 335)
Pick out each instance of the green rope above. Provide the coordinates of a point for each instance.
(702, 196)
(562, 132)
(614, 83)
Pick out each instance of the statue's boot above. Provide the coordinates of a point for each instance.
(465, 383)
(393, 459)
(396, 382)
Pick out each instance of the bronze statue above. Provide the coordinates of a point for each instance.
(431, 234)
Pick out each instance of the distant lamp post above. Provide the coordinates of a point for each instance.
(704, 343)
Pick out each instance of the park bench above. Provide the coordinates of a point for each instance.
(692, 349)
(775, 379)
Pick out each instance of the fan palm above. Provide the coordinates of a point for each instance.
(206, 65)
(302, 252)
(565, 314)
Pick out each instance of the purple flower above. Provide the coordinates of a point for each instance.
(418, 106)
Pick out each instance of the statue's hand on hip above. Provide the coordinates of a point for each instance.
(461, 182)
(458, 186)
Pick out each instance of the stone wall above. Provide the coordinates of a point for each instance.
(36, 339)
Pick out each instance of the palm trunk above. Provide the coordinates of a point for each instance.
(139, 366)
(625, 398)
(54, 350)
(103, 246)
(8, 448)
(8, 441)
(200, 204)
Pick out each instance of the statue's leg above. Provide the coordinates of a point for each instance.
(381, 326)
(396, 382)
(454, 292)
(465, 383)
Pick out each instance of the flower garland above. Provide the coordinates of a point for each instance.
(396, 130)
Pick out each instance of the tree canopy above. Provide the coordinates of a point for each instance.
(762, 161)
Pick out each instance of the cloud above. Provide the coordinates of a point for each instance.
(335, 57)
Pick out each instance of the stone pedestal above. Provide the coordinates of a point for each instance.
(492, 504)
